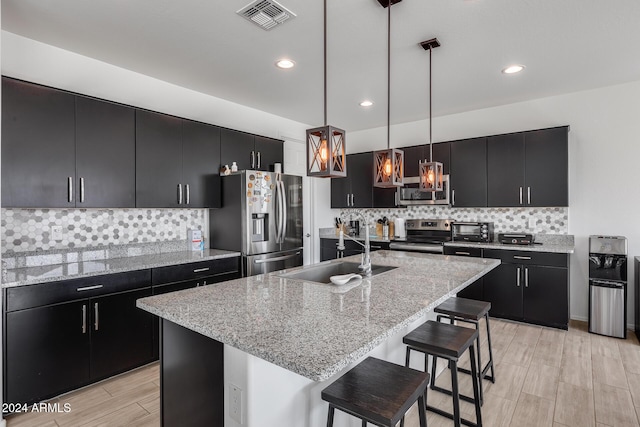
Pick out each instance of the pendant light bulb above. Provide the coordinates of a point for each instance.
(387, 167)
(323, 151)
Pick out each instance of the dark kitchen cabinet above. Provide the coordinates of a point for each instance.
(63, 335)
(529, 286)
(528, 168)
(469, 173)
(356, 189)
(121, 333)
(38, 146)
(176, 162)
(475, 290)
(46, 351)
(105, 155)
(329, 248)
(249, 151)
(412, 156)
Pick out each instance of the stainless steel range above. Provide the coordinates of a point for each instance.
(425, 235)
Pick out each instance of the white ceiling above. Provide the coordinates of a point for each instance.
(566, 45)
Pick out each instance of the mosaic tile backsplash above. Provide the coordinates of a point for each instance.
(531, 220)
(25, 230)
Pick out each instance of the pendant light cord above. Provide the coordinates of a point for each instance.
(389, 76)
(430, 115)
(325, 62)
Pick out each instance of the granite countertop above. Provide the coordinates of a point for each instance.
(556, 243)
(48, 272)
(315, 329)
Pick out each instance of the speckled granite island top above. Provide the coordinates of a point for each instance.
(72, 270)
(314, 329)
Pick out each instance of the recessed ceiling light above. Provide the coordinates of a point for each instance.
(366, 103)
(512, 69)
(285, 64)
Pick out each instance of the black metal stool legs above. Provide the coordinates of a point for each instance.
(492, 378)
(332, 411)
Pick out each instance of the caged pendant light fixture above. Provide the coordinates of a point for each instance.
(431, 173)
(326, 150)
(388, 165)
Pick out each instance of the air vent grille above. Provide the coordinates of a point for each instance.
(266, 13)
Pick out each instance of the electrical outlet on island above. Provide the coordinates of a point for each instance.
(532, 223)
(56, 233)
(235, 403)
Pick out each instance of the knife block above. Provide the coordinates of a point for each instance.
(379, 232)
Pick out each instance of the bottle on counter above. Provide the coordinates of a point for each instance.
(234, 167)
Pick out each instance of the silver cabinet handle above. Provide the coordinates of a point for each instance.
(188, 195)
(526, 277)
(375, 247)
(528, 195)
(520, 195)
(81, 190)
(200, 270)
(84, 318)
(521, 257)
(453, 197)
(88, 288)
(96, 324)
(70, 189)
(179, 194)
(352, 204)
(463, 253)
(259, 160)
(518, 277)
(348, 199)
(253, 160)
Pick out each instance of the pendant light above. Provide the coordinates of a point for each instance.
(326, 150)
(431, 173)
(388, 165)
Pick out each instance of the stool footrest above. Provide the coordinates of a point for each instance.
(450, 393)
(450, 416)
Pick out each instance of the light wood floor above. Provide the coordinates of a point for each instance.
(544, 377)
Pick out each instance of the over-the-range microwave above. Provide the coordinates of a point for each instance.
(411, 194)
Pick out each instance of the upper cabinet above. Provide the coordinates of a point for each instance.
(420, 153)
(61, 150)
(469, 173)
(356, 190)
(177, 162)
(249, 151)
(528, 168)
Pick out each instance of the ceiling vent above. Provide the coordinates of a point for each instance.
(266, 13)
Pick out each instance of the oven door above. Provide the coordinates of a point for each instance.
(411, 194)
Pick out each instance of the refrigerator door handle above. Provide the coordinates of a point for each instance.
(278, 258)
(279, 211)
(284, 211)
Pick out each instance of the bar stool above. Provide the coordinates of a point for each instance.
(449, 342)
(469, 311)
(378, 392)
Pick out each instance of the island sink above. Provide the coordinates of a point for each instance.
(323, 273)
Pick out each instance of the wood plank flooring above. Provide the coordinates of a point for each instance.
(544, 377)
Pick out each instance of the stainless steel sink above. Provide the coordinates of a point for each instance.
(322, 273)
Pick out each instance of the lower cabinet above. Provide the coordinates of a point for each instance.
(329, 248)
(529, 286)
(476, 289)
(63, 335)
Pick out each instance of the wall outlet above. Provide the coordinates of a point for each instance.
(56, 233)
(235, 403)
(532, 223)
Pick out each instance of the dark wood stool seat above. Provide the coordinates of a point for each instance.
(447, 341)
(378, 392)
(470, 311)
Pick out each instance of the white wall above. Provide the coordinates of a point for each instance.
(604, 168)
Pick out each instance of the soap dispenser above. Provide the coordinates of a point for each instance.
(234, 167)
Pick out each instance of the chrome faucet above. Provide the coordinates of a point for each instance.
(365, 264)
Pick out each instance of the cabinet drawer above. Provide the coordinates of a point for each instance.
(527, 257)
(22, 297)
(466, 251)
(379, 246)
(194, 270)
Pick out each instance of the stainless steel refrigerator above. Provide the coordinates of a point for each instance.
(261, 217)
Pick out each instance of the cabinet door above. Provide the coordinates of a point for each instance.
(236, 146)
(442, 154)
(341, 191)
(503, 289)
(201, 164)
(121, 333)
(158, 160)
(105, 155)
(46, 351)
(469, 173)
(546, 167)
(413, 155)
(505, 170)
(38, 146)
(546, 296)
(360, 172)
(268, 152)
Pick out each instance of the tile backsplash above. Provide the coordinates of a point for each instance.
(532, 220)
(25, 230)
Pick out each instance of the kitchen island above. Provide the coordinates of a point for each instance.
(267, 345)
